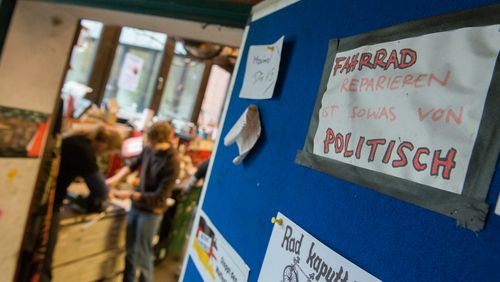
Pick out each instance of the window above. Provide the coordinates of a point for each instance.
(82, 59)
(215, 95)
(132, 81)
(137, 76)
(181, 88)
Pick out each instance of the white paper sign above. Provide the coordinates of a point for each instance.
(262, 69)
(214, 258)
(295, 255)
(410, 108)
(130, 72)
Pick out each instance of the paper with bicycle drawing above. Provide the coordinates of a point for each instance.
(294, 255)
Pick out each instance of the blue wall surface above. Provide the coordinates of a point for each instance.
(389, 238)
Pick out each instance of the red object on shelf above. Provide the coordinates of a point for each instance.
(136, 133)
(70, 106)
(114, 165)
(34, 148)
(132, 147)
(198, 156)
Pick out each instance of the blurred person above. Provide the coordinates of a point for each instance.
(159, 163)
(79, 150)
(201, 172)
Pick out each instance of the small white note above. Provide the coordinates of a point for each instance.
(261, 71)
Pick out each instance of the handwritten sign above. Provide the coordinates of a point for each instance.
(130, 72)
(261, 71)
(295, 255)
(410, 108)
(214, 258)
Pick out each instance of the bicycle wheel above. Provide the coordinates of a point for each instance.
(290, 274)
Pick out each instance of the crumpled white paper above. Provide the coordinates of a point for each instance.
(245, 132)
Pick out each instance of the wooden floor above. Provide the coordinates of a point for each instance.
(167, 271)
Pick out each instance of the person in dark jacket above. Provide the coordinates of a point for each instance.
(159, 165)
(201, 172)
(79, 150)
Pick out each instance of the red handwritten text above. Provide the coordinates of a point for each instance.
(402, 153)
(380, 113)
(395, 82)
(328, 110)
(438, 114)
(380, 59)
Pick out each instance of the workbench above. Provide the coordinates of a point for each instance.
(90, 247)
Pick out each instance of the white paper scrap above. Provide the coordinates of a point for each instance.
(497, 208)
(261, 71)
(245, 132)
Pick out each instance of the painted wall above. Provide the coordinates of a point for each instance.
(31, 71)
(173, 27)
(6, 8)
(391, 239)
